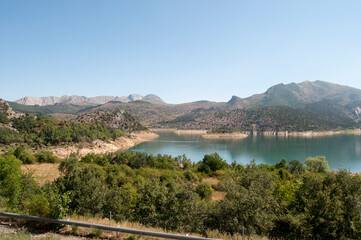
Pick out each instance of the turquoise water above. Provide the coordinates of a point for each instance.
(341, 151)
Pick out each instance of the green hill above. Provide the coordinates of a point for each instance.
(324, 115)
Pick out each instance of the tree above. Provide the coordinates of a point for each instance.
(10, 179)
(296, 167)
(317, 164)
(211, 163)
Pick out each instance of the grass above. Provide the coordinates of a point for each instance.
(74, 232)
(24, 236)
(42, 172)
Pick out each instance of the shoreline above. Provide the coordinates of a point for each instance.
(242, 135)
(181, 131)
(235, 135)
(102, 147)
(311, 133)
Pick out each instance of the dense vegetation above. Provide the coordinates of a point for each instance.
(289, 200)
(316, 117)
(43, 131)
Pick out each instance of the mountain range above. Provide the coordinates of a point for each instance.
(315, 102)
(294, 94)
(75, 99)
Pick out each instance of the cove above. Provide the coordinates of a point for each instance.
(341, 151)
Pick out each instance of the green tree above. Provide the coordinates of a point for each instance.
(211, 163)
(10, 179)
(317, 164)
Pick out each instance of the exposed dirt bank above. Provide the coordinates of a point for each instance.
(101, 147)
(241, 135)
(225, 135)
(180, 131)
(311, 133)
(191, 132)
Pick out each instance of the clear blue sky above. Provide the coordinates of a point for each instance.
(180, 50)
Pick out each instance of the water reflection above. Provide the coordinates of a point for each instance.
(341, 151)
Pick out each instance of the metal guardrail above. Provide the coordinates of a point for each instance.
(103, 227)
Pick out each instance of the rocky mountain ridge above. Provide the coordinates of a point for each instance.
(342, 102)
(5, 108)
(75, 99)
(295, 94)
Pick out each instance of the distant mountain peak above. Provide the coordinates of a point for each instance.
(234, 99)
(75, 99)
(294, 94)
(152, 98)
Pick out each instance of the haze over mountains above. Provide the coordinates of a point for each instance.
(75, 99)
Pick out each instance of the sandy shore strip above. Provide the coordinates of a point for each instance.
(180, 131)
(236, 135)
(102, 147)
(311, 133)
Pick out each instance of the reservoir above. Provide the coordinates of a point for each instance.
(341, 151)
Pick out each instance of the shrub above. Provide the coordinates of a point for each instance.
(24, 155)
(204, 190)
(46, 157)
(211, 163)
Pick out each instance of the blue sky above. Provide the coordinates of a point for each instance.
(180, 50)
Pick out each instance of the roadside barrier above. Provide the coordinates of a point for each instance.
(103, 227)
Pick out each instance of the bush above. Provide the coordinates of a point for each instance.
(46, 157)
(24, 155)
(211, 163)
(205, 190)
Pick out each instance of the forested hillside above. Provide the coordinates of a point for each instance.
(46, 132)
(116, 119)
(316, 116)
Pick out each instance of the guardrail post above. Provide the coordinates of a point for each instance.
(110, 223)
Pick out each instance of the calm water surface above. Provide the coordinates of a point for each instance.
(341, 151)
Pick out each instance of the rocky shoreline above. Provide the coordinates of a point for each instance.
(242, 135)
(102, 147)
(310, 133)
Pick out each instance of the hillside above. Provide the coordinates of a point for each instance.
(5, 108)
(294, 94)
(65, 108)
(117, 119)
(289, 99)
(314, 116)
(151, 114)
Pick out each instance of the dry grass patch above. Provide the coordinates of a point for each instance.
(42, 172)
(210, 180)
(218, 196)
(123, 224)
